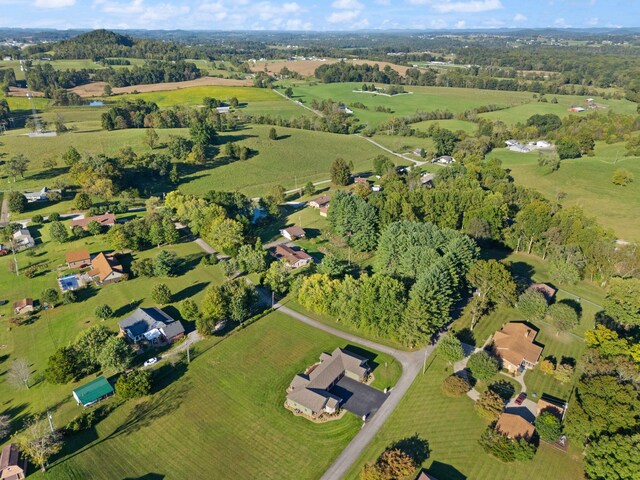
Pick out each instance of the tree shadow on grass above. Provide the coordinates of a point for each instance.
(148, 476)
(127, 308)
(47, 174)
(417, 448)
(445, 471)
(189, 291)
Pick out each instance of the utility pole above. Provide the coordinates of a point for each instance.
(424, 364)
(50, 418)
(273, 294)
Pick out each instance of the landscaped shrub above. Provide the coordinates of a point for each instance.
(548, 427)
(134, 384)
(489, 405)
(533, 305)
(482, 365)
(392, 464)
(451, 348)
(455, 386)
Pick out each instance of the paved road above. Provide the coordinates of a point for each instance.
(412, 363)
(4, 213)
(300, 104)
(401, 155)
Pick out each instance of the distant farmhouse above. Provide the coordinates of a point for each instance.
(292, 233)
(105, 220)
(444, 160)
(320, 202)
(40, 196)
(151, 325)
(309, 394)
(293, 258)
(22, 239)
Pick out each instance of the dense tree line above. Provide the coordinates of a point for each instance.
(419, 273)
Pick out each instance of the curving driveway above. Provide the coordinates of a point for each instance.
(412, 363)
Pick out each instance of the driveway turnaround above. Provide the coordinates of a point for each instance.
(358, 398)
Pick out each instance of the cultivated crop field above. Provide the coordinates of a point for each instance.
(223, 416)
(587, 183)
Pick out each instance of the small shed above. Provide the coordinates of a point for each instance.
(292, 233)
(22, 306)
(93, 392)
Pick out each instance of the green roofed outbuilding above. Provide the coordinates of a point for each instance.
(93, 392)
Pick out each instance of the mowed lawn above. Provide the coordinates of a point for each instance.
(587, 183)
(224, 418)
(54, 328)
(193, 95)
(452, 428)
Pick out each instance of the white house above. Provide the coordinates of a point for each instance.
(519, 148)
(23, 239)
(40, 196)
(444, 160)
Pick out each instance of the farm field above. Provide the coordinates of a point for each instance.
(452, 429)
(194, 95)
(587, 183)
(230, 401)
(57, 327)
(520, 113)
(453, 125)
(297, 157)
(456, 100)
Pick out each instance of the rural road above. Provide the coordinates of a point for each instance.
(404, 157)
(411, 363)
(4, 213)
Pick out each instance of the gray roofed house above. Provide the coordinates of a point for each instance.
(151, 325)
(308, 393)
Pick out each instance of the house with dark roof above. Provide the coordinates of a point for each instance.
(151, 325)
(78, 258)
(294, 258)
(93, 392)
(548, 291)
(308, 393)
(105, 269)
(11, 468)
(515, 346)
(105, 220)
(320, 202)
(292, 233)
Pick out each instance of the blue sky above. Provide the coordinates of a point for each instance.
(317, 14)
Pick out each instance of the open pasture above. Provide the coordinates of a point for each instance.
(587, 183)
(230, 401)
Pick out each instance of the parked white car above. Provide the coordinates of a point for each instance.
(151, 361)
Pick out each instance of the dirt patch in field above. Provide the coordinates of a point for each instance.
(308, 67)
(96, 89)
(22, 92)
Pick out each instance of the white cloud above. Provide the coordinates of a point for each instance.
(54, 3)
(460, 24)
(474, 6)
(297, 24)
(561, 23)
(519, 18)
(343, 16)
(593, 21)
(347, 5)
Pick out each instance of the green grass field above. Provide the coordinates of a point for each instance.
(452, 428)
(194, 95)
(521, 104)
(297, 157)
(57, 327)
(587, 183)
(455, 100)
(224, 416)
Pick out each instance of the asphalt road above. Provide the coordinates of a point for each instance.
(411, 362)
